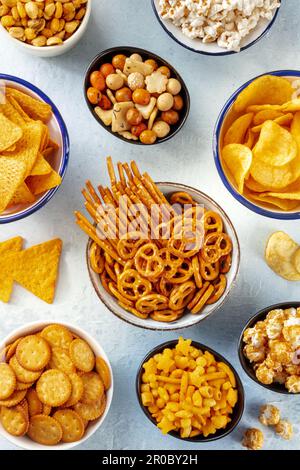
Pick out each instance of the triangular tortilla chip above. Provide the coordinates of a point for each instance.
(10, 133)
(12, 174)
(11, 113)
(40, 184)
(34, 108)
(6, 280)
(23, 195)
(18, 108)
(36, 269)
(41, 166)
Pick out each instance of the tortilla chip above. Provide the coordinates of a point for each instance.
(53, 144)
(41, 166)
(18, 108)
(6, 281)
(11, 113)
(23, 195)
(12, 174)
(40, 184)
(10, 133)
(45, 138)
(36, 269)
(34, 108)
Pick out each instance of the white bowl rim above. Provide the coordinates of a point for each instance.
(34, 327)
(66, 44)
(199, 318)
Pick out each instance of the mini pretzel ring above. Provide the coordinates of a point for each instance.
(203, 300)
(181, 295)
(148, 262)
(129, 244)
(133, 311)
(105, 279)
(216, 245)
(225, 263)
(184, 272)
(183, 198)
(152, 302)
(171, 262)
(165, 286)
(166, 316)
(196, 271)
(198, 296)
(212, 222)
(209, 271)
(96, 258)
(220, 287)
(113, 289)
(131, 285)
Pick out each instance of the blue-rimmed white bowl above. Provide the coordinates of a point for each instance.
(221, 125)
(59, 162)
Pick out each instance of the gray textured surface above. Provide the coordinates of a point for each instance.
(186, 159)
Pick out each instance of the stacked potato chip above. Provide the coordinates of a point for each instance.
(51, 386)
(261, 145)
(25, 148)
(35, 269)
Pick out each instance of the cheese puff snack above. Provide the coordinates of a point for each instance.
(187, 391)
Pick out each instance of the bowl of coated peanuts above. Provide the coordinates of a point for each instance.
(44, 28)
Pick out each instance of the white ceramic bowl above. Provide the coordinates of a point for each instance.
(25, 442)
(59, 162)
(52, 51)
(196, 45)
(187, 319)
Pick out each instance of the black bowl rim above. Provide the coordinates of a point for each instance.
(277, 388)
(133, 50)
(241, 393)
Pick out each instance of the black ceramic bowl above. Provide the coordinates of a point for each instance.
(237, 411)
(246, 364)
(107, 56)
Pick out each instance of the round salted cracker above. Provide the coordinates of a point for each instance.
(22, 386)
(57, 336)
(104, 372)
(14, 420)
(33, 353)
(82, 355)
(54, 387)
(46, 410)
(71, 423)
(45, 430)
(13, 399)
(60, 359)
(12, 349)
(92, 411)
(93, 388)
(23, 375)
(77, 390)
(35, 406)
(8, 381)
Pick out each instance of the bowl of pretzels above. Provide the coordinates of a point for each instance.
(161, 256)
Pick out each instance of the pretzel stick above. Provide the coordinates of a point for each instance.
(135, 170)
(92, 191)
(86, 196)
(111, 171)
(121, 174)
(127, 171)
(100, 220)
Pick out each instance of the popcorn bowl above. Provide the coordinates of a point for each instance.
(106, 56)
(188, 319)
(223, 121)
(31, 328)
(246, 364)
(58, 132)
(212, 48)
(237, 411)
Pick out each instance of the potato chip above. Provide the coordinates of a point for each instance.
(294, 196)
(237, 131)
(283, 121)
(266, 115)
(36, 269)
(45, 430)
(282, 204)
(268, 89)
(276, 146)
(238, 159)
(256, 108)
(253, 185)
(40, 184)
(41, 166)
(23, 195)
(296, 260)
(279, 254)
(6, 280)
(33, 107)
(12, 174)
(249, 139)
(291, 106)
(10, 133)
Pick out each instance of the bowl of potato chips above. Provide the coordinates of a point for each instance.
(34, 149)
(257, 144)
(56, 386)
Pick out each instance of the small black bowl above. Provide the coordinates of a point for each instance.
(107, 56)
(237, 411)
(246, 364)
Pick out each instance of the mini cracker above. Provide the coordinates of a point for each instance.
(14, 399)
(12, 349)
(54, 387)
(93, 388)
(45, 430)
(61, 360)
(71, 423)
(93, 411)
(46, 410)
(82, 355)
(14, 420)
(35, 406)
(23, 375)
(104, 372)
(57, 336)
(77, 390)
(7, 381)
(33, 353)
(23, 386)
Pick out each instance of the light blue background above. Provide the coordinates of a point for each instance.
(186, 159)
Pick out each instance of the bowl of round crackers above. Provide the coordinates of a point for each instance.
(34, 149)
(56, 386)
(257, 144)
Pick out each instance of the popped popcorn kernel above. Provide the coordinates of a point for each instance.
(269, 415)
(253, 439)
(284, 429)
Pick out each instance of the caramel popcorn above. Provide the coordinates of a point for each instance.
(269, 415)
(273, 347)
(253, 439)
(284, 429)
